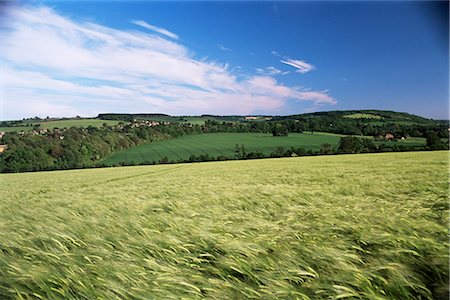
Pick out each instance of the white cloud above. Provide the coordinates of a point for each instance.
(222, 47)
(275, 53)
(156, 29)
(269, 71)
(300, 65)
(79, 68)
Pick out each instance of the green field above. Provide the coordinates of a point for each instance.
(369, 226)
(363, 116)
(74, 123)
(60, 124)
(216, 144)
(16, 128)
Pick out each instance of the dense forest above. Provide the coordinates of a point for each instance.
(77, 147)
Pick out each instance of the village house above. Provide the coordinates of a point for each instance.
(3, 148)
(389, 137)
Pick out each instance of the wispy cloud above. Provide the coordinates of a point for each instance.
(271, 71)
(222, 47)
(81, 68)
(301, 66)
(275, 53)
(156, 29)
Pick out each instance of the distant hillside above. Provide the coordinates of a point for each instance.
(367, 116)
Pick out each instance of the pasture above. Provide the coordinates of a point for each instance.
(369, 226)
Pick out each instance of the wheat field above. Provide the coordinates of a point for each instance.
(369, 226)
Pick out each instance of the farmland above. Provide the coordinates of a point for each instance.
(367, 226)
(362, 116)
(16, 128)
(217, 144)
(74, 123)
(64, 123)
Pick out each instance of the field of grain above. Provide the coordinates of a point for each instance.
(216, 144)
(60, 124)
(371, 226)
(75, 123)
(16, 128)
(363, 116)
(223, 144)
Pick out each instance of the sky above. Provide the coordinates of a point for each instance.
(69, 58)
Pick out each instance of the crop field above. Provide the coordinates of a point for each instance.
(215, 144)
(60, 124)
(16, 128)
(369, 226)
(363, 116)
(75, 123)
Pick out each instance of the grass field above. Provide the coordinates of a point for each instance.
(61, 124)
(371, 226)
(216, 144)
(75, 123)
(16, 128)
(363, 116)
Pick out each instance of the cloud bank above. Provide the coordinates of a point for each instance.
(56, 66)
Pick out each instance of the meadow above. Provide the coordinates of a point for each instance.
(223, 144)
(363, 226)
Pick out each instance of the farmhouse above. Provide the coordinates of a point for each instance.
(3, 148)
(389, 137)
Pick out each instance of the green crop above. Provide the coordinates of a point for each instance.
(369, 226)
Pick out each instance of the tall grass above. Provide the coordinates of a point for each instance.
(371, 226)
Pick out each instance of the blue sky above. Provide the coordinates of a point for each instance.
(83, 58)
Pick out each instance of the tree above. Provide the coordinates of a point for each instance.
(433, 141)
(326, 149)
(349, 144)
(280, 130)
(239, 151)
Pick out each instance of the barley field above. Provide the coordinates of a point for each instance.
(223, 144)
(369, 226)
